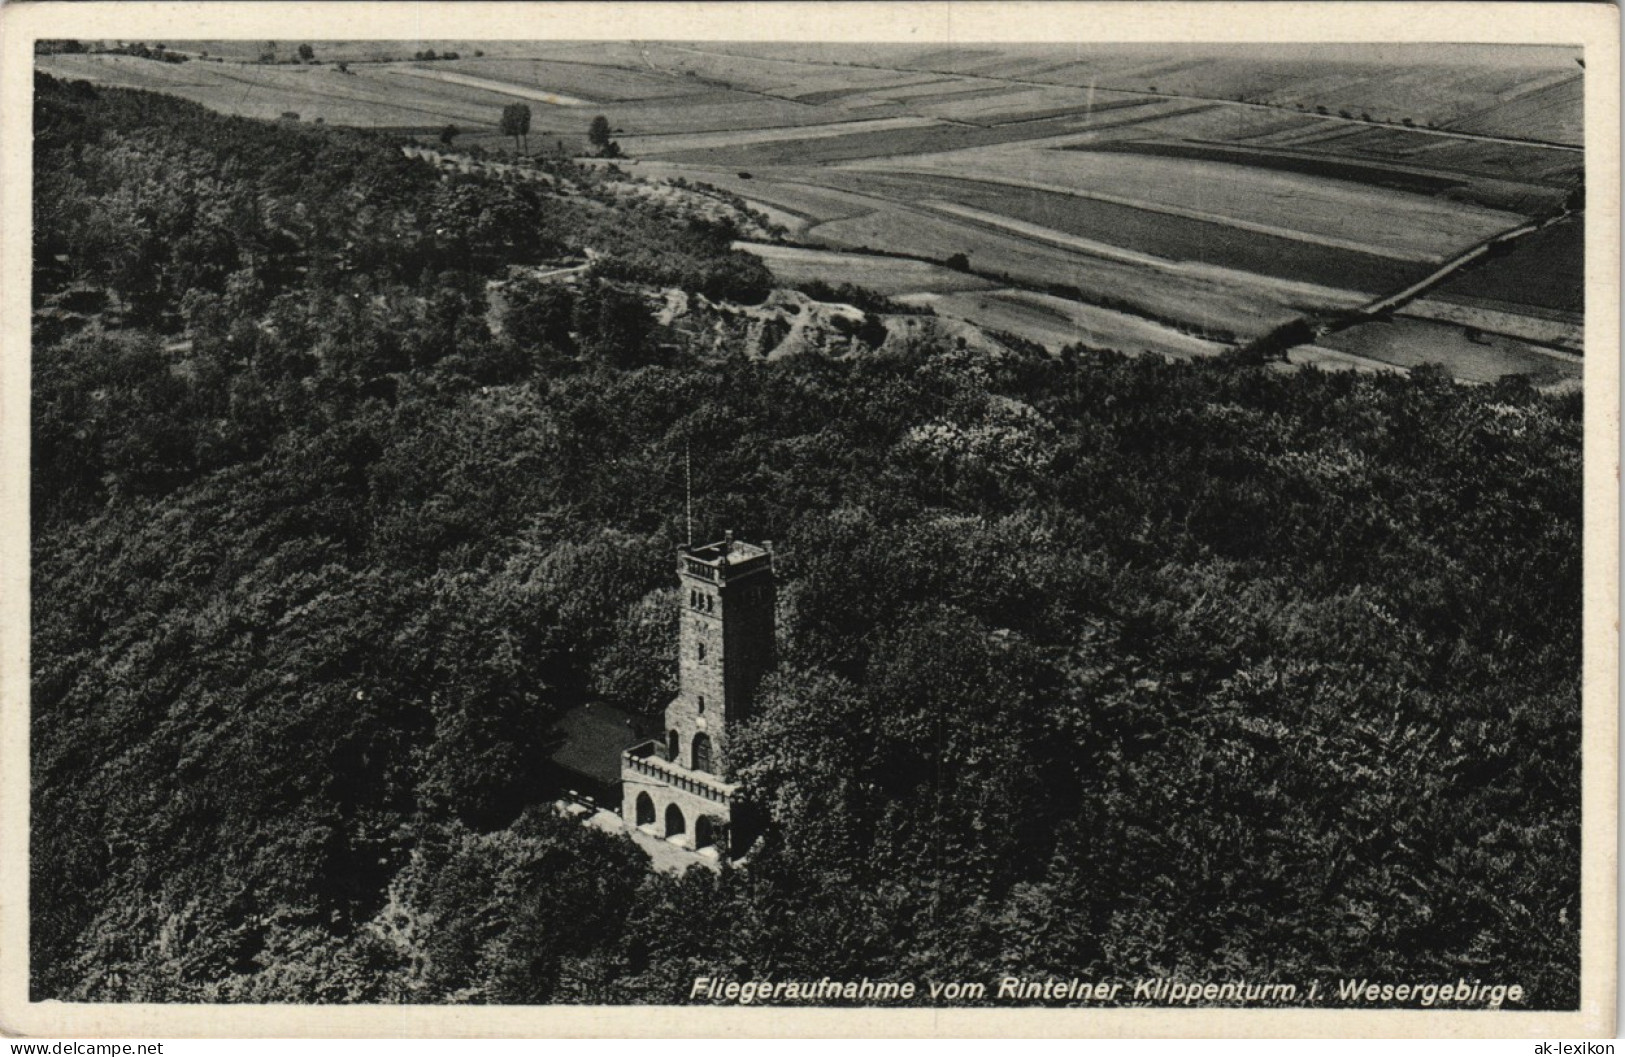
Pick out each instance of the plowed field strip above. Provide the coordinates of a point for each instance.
(488, 85)
(1493, 192)
(885, 275)
(1544, 271)
(897, 143)
(658, 143)
(1292, 268)
(1309, 165)
(1273, 107)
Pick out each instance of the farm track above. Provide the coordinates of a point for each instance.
(1272, 108)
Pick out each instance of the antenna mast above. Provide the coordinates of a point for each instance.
(688, 491)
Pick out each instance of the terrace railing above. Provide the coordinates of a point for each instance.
(645, 759)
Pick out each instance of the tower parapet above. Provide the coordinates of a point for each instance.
(727, 561)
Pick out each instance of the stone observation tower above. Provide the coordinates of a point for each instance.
(678, 787)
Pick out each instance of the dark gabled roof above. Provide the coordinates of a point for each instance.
(591, 738)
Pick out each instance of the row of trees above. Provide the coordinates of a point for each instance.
(515, 122)
(303, 53)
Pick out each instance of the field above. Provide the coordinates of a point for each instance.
(1411, 181)
(884, 275)
(518, 91)
(857, 145)
(1209, 193)
(574, 78)
(1327, 212)
(1521, 93)
(463, 92)
(1504, 195)
(700, 141)
(1471, 357)
(1562, 334)
(1056, 322)
(1475, 159)
(1545, 273)
(372, 96)
(1174, 239)
(1240, 305)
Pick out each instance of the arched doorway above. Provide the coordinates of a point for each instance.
(675, 826)
(705, 832)
(646, 810)
(702, 752)
(673, 747)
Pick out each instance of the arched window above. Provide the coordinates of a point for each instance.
(701, 702)
(702, 753)
(673, 746)
(701, 651)
(705, 832)
(646, 810)
(674, 821)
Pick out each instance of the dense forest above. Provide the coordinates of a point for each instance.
(1089, 665)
